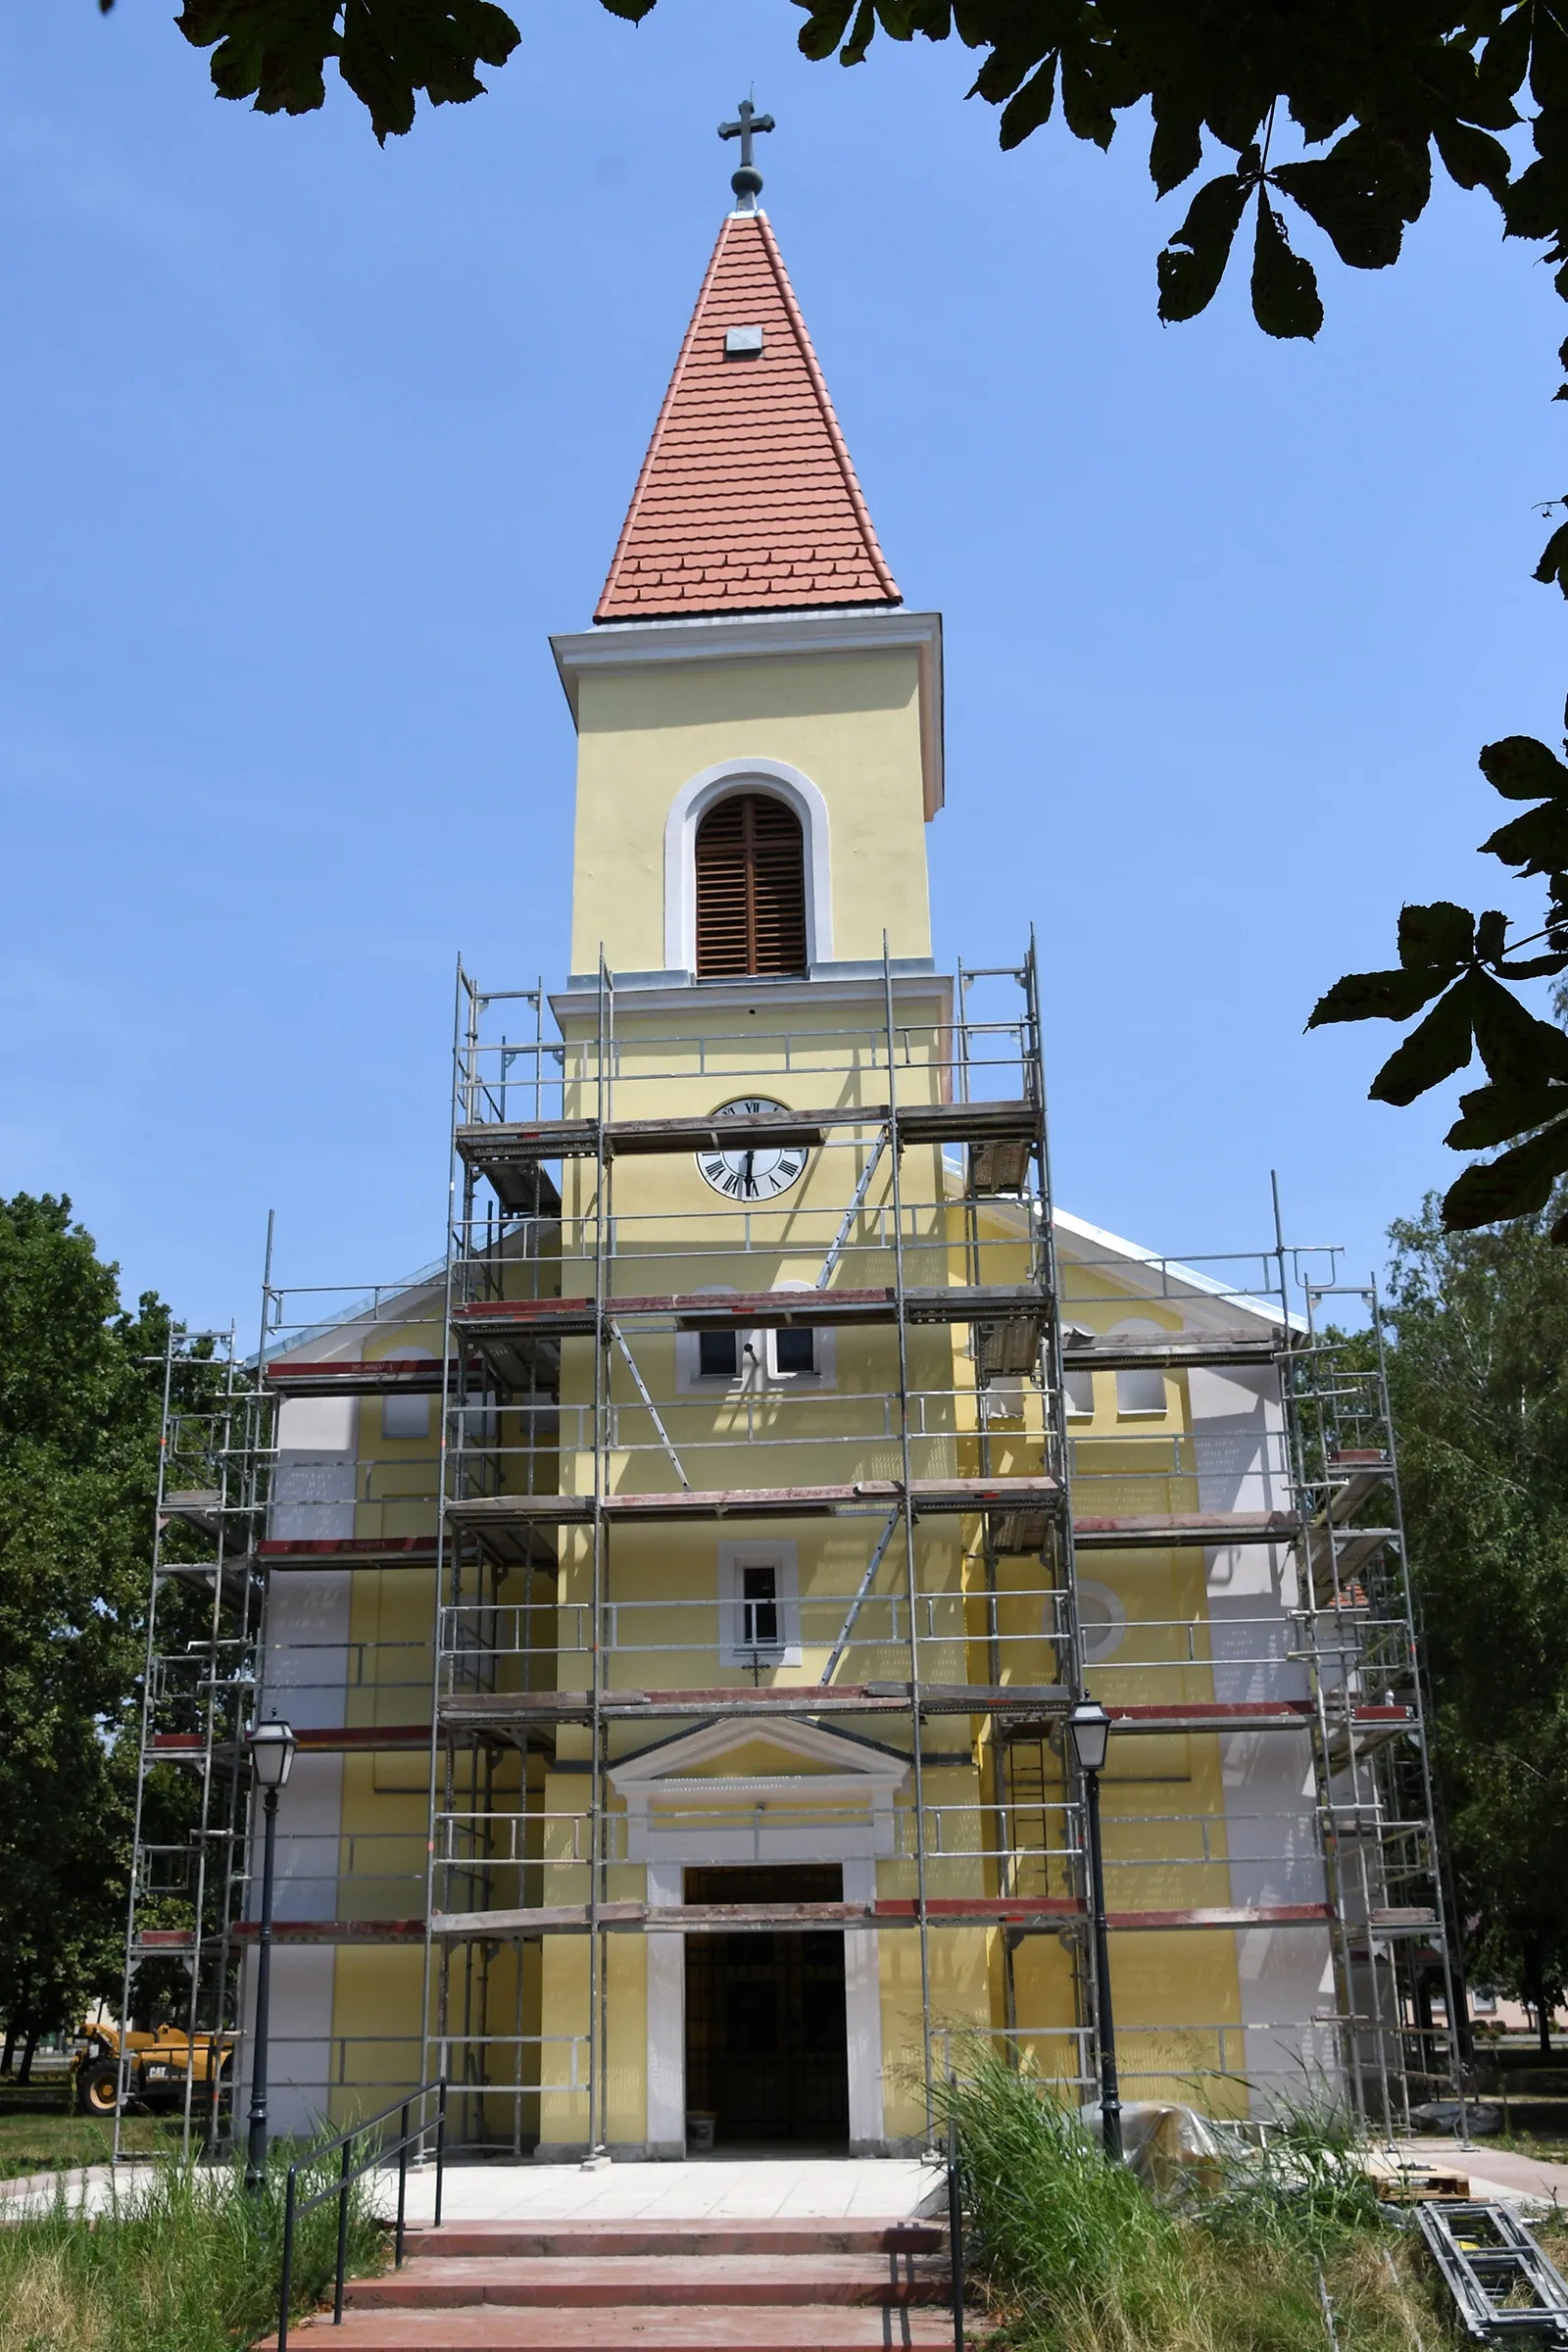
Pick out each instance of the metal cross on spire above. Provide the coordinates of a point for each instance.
(747, 182)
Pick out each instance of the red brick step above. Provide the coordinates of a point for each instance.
(580, 2240)
(437, 2283)
(711, 2327)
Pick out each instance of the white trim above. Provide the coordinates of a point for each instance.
(754, 637)
(852, 1771)
(691, 805)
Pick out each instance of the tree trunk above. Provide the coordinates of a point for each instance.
(29, 2047)
(11, 2043)
(1543, 2004)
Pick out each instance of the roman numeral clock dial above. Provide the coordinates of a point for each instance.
(752, 1172)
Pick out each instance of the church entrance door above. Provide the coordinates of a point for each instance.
(767, 2051)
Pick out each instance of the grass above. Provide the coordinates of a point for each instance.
(186, 2262)
(1076, 2256)
(41, 2133)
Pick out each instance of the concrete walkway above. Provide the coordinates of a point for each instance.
(744, 2188)
(1496, 2175)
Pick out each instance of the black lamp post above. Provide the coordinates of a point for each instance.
(273, 1746)
(1090, 1725)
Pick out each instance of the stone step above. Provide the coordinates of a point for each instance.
(710, 2328)
(440, 2282)
(579, 2240)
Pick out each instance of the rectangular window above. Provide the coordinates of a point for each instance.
(794, 1349)
(760, 1608)
(1080, 1388)
(716, 1357)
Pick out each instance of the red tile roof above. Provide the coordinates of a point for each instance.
(747, 501)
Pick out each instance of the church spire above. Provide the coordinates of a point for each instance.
(747, 501)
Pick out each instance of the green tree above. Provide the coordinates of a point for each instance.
(80, 1416)
(1480, 1383)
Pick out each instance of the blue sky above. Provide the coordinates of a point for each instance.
(307, 447)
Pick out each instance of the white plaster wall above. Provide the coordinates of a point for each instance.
(304, 1678)
(1270, 1820)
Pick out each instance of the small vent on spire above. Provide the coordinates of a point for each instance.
(742, 342)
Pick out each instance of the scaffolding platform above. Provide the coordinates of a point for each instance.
(387, 1376)
(1001, 1136)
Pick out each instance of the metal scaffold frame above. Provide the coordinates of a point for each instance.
(552, 1301)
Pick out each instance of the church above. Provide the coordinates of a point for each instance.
(680, 1591)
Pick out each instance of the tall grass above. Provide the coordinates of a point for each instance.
(186, 2262)
(1076, 2256)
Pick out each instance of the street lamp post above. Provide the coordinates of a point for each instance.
(1090, 1725)
(273, 1746)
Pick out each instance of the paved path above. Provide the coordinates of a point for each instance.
(1497, 2175)
(754, 2188)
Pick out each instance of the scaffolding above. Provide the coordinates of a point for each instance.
(962, 1404)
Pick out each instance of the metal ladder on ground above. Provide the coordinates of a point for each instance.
(1501, 2283)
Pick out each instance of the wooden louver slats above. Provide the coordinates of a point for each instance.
(751, 889)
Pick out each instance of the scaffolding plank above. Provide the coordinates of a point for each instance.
(1214, 1715)
(707, 1311)
(152, 1941)
(510, 1155)
(1173, 1351)
(386, 1376)
(1159, 1531)
(334, 1740)
(347, 1552)
(495, 1709)
(198, 1508)
(1017, 1912)
(485, 1515)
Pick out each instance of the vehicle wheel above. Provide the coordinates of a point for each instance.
(98, 2087)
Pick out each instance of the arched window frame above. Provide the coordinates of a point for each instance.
(691, 805)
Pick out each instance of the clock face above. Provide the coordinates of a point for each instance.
(747, 1174)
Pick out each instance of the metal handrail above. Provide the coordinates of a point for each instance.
(294, 2206)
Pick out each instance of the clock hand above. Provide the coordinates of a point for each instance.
(750, 1181)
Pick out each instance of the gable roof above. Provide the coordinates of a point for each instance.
(747, 501)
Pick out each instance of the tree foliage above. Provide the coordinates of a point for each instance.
(79, 1413)
(1480, 1383)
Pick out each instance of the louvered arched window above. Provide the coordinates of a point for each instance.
(751, 889)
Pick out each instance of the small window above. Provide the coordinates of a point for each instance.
(1079, 1387)
(717, 1354)
(760, 1608)
(795, 1349)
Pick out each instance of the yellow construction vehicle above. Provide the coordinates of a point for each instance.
(157, 2066)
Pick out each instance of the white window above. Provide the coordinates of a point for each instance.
(708, 1362)
(801, 1355)
(1079, 1387)
(759, 1605)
